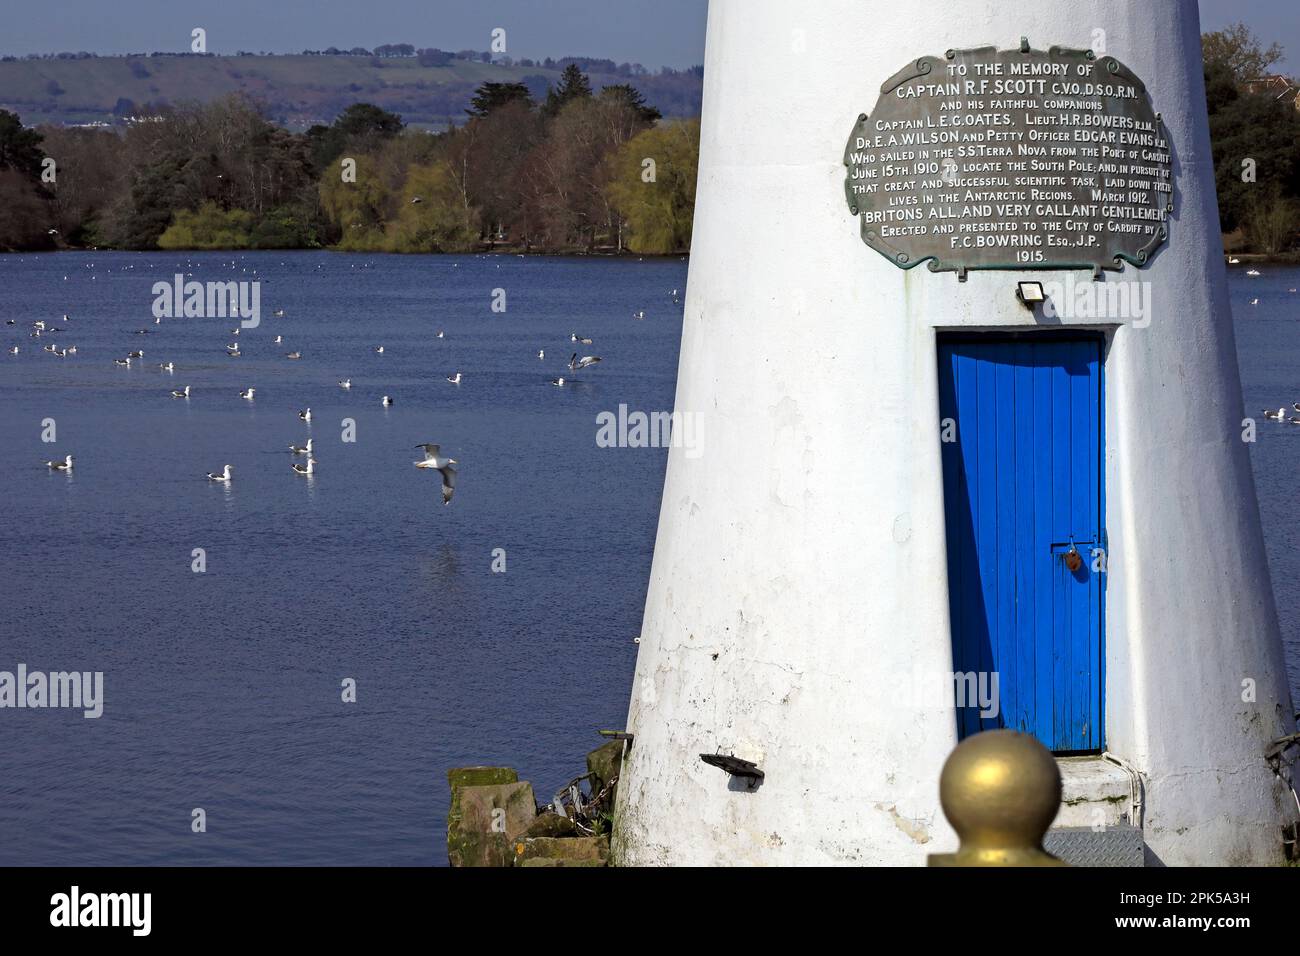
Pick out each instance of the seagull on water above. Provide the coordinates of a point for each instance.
(65, 465)
(558, 381)
(278, 313)
(379, 350)
(224, 476)
(294, 355)
(586, 361)
(302, 449)
(278, 338)
(639, 315)
(387, 401)
(575, 337)
(346, 383)
(440, 333)
(134, 355)
(435, 461)
(13, 350)
(454, 379)
(304, 469)
(125, 362)
(1276, 416)
(168, 366)
(247, 393)
(182, 393)
(305, 415)
(541, 353)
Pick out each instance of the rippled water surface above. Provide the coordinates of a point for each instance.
(223, 688)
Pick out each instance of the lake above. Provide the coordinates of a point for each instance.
(223, 688)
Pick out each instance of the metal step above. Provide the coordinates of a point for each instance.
(1115, 845)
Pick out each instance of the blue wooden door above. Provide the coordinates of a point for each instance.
(1022, 475)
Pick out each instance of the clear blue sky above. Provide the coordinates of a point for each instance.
(651, 32)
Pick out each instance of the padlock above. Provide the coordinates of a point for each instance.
(1073, 561)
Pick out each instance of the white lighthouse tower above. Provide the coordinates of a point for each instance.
(921, 473)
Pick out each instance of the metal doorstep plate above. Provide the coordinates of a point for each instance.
(1120, 845)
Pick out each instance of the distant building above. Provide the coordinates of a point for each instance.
(1277, 86)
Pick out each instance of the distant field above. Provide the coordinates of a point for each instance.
(297, 90)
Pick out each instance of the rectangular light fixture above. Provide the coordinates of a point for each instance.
(1030, 294)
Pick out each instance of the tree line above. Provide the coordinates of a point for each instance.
(571, 171)
(576, 171)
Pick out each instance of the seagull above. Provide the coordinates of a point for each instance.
(304, 469)
(302, 449)
(139, 354)
(387, 401)
(235, 354)
(168, 367)
(379, 350)
(234, 331)
(38, 324)
(126, 362)
(65, 465)
(182, 393)
(639, 315)
(1254, 301)
(278, 338)
(586, 361)
(224, 476)
(232, 347)
(346, 383)
(294, 355)
(416, 200)
(305, 415)
(13, 350)
(278, 313)
(440, 333)
(541, 353)
(558, 381)
(1252, 272)
(443, 467)
(1276, 416)
(574, 337)
(247, 393)
(454, 379)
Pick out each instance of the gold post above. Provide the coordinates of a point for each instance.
(1000, 790)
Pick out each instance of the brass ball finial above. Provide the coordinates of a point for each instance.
(1000, 790)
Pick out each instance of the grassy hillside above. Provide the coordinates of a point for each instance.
(297, 90)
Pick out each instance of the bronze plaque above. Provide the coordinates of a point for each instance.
(1012, 159)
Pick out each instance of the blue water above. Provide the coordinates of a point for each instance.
(223, 688)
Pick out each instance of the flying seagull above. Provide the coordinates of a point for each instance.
(443, 467)
(586, 361)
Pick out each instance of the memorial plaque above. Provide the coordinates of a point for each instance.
(1012, 159)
